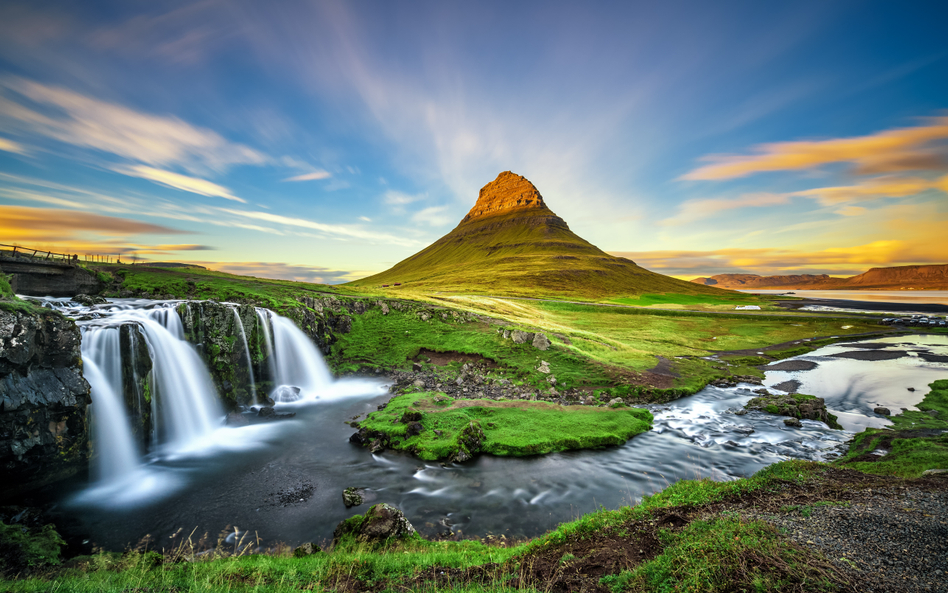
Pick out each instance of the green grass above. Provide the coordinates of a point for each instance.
(908, 455)
(391, 341)
(201, 284)
(907, 458)
(513, 428)
(937, 400)
(724, 554)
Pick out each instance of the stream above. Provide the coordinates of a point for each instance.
(282, 481)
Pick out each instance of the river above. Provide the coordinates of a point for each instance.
(283, 480)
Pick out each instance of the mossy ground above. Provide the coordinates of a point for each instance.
(510, 428)
(916, 441)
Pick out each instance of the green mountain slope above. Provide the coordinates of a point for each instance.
(511, 243)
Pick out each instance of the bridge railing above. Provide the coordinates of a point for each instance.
(19, 251)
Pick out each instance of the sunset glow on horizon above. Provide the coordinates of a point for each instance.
(326, 141)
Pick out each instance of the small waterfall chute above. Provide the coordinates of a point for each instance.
(243, 337)
(297, 362)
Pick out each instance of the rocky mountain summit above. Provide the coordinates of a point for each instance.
(508, 193)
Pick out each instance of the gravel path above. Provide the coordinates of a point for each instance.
(888, 540)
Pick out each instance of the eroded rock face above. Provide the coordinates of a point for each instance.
(43, 400)
(508, 193)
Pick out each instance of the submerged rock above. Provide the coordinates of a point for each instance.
(353, 497)
(882, 411)
(798, 406)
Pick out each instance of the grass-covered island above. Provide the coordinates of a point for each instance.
(434, 426)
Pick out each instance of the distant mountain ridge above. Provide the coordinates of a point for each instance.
(510, 242)
(922, 277)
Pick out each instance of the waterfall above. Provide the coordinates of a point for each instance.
(189, 409)
(117, 454)
(186, 414)
(297, 363)
(243, 336)
(263, 319)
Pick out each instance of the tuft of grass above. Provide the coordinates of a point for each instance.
(22, 548)
(509, 428)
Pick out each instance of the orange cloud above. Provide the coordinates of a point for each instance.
(838, 260)
(878, 187)
(889, 150)
(17, 219)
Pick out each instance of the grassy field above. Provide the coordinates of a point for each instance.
(196, 283)
(506, 428)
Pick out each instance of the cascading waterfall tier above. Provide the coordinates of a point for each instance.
(151, 390)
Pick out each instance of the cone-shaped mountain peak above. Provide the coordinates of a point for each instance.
(507, 193)
(512, 243)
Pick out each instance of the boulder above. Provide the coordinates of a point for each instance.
(381, 523)
(307, 549)
(882, 411)
(544, 367)
(541, 342)
(797, 405)
(353, 497)
(521, 337)
(793, 422)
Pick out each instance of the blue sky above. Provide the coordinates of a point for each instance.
(326, 141)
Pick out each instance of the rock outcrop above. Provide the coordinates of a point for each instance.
(508, 193)
(43, 400)
(797, 406)
(382, 522)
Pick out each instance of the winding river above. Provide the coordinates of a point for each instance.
(283, 480)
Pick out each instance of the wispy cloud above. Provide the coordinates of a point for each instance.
(315, 175)
(397, 198)
(433, 216)
(282, 271)
(890, 150)
(11, 146)
(178, 181)
(693, 210)
(83, 121)
(337, 231)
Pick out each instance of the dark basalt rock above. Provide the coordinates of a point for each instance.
(43, 400)
(380, 523)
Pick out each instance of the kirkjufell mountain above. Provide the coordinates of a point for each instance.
(512, 243)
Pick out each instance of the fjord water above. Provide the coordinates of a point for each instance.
(283, 480)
